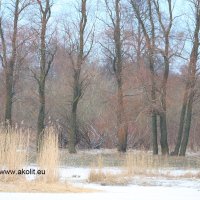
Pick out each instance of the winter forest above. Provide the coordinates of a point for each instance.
(100, 93)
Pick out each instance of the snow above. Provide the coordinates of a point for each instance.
(79, 176)
(140, 188)
(166, 182)
(74, 173)
(181, 172)
(116, 193)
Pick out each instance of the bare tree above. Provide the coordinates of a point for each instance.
(9, 54)
(150, 44)
(114, 11)
(165, 30)
(46, 60)
(79, 46)
(188, 99)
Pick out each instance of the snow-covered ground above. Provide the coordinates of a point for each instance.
(140, 187)
(116, 193)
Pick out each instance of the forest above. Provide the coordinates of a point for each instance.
(106, 74)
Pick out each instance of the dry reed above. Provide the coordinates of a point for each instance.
(48, 157)
(14, 144)
(97, 175)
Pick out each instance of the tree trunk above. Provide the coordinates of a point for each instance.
(188, 120)
(154, 115)
(186, 112)
(122, 128)
(181, 124)
(154, 133)
(151, 48)
(78, 85)
(73, 133)
(46, 59)
(163, 131)
(163, 113)
(41, 115)
(153, 99)
(10, 65)
(73, 123)
(9, 95)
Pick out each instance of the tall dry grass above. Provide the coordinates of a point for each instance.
(98, 175)
(142, 163)
(135, 163)
(14, 144)
(49, 157)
